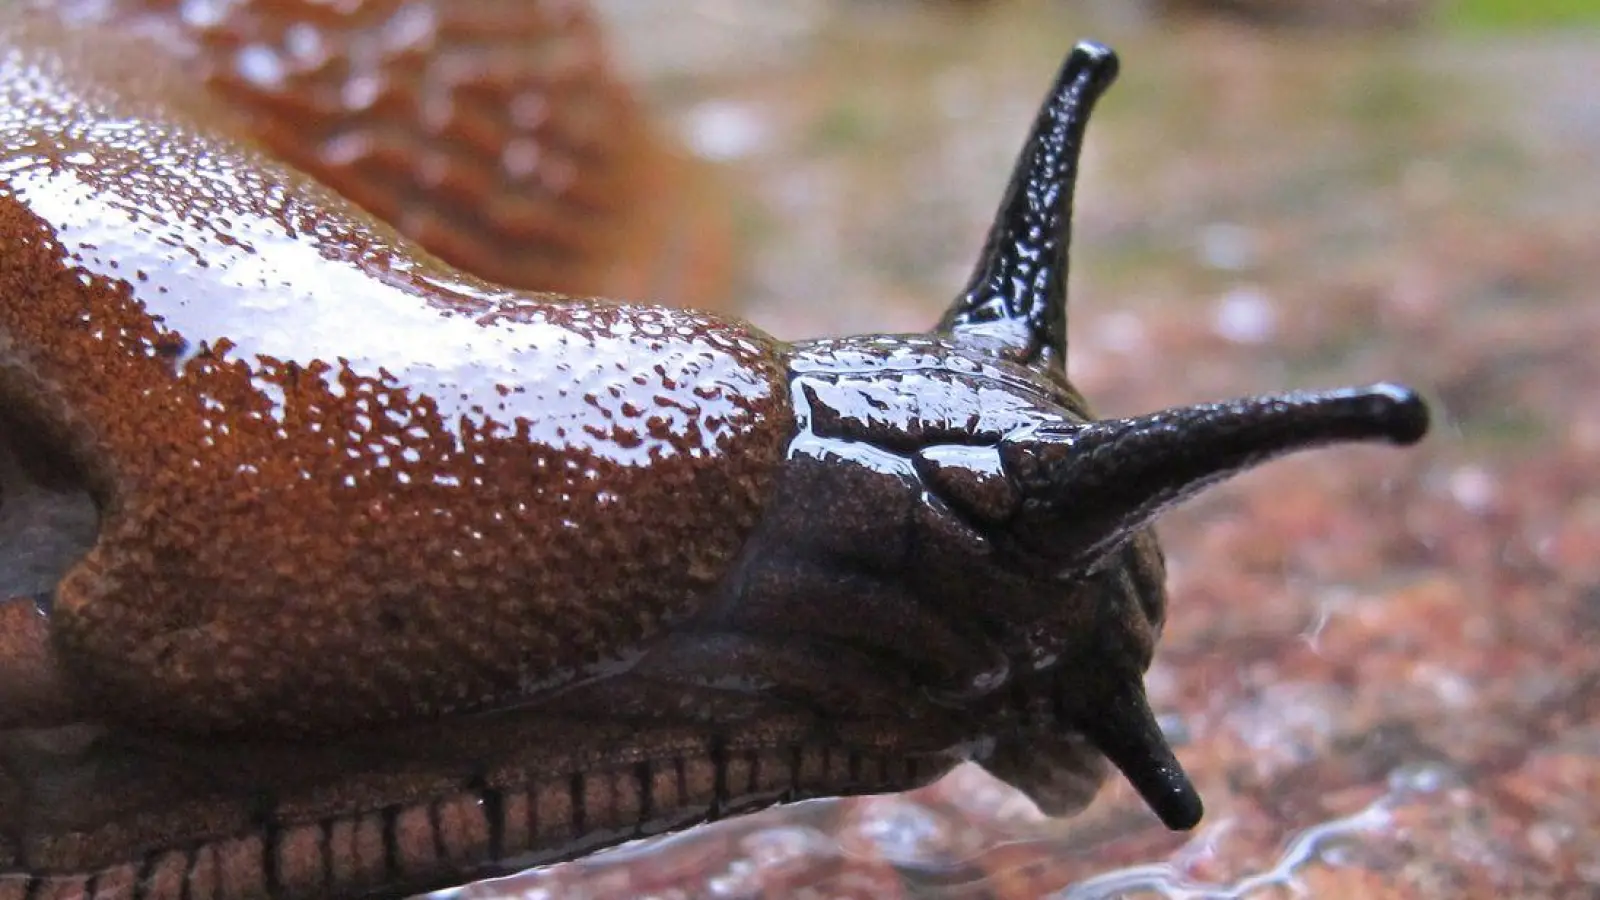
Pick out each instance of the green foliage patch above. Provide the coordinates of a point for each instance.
(1498, 14)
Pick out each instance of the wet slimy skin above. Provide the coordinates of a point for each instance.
(400, 575)
(492, 132)
(217, 340)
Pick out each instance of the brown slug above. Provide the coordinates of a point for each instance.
(492, 132)
(400, 577)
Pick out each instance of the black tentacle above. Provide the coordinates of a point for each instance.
(1089, 486)
(1017, 296)
(1122, 726)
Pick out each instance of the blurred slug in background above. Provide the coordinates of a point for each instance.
(493, 133)
(398, 577)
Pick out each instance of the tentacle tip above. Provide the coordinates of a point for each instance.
(1099, 60)
(1093, 63)
(1177, 804)
(1402, 411)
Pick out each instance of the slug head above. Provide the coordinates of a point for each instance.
(952, 510)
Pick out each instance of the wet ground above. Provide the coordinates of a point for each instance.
(1382, 667)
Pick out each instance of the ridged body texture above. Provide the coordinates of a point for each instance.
(492, 132)
(221, 341)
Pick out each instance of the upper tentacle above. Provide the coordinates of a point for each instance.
(1017, 296)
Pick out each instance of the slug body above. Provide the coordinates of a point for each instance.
(491, 132)
(223, 341)
(399, 574)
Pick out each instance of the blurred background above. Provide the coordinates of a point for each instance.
(1381, 667)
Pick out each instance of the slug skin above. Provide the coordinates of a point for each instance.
(401, 577)
(492, 132)
(246, 367)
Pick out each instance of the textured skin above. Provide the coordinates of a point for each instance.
(632, 445)
(492, 132)
(400, 575)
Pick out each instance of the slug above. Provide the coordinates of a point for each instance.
(492, 132)
(399, 577)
